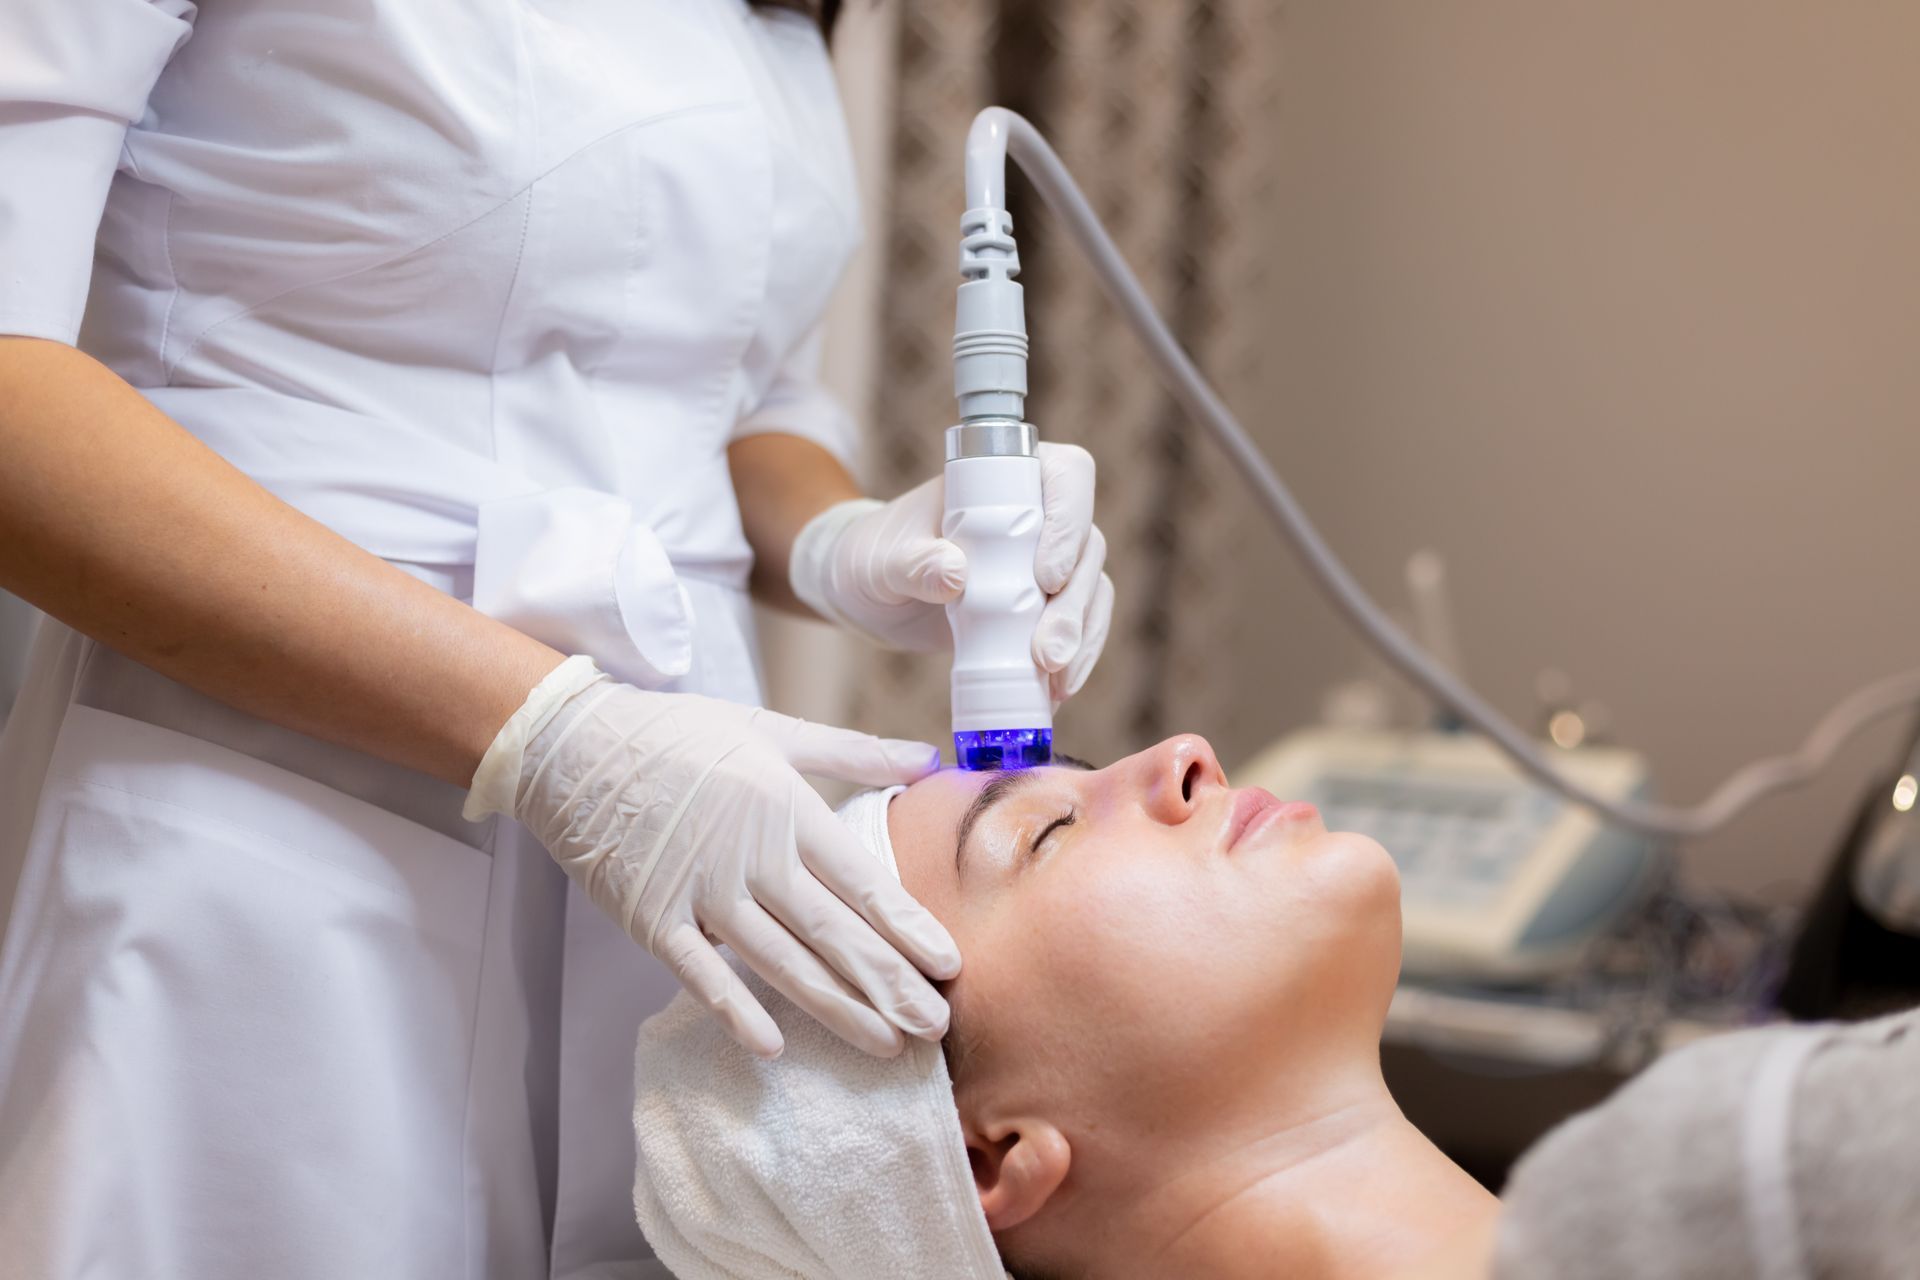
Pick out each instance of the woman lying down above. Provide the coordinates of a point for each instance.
(1164, 1062)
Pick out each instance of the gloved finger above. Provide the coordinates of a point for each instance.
(866, 887)
(849, 946)
(929, 569)
(1064, 684)
(1063, 621)
(1066, 500)
(846, 754)
(798, 974)
(712, 981)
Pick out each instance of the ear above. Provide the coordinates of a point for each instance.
(1017, 1166)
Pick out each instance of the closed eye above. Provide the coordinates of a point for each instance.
(1048, 830)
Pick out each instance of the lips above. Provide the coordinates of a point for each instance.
(1255, 808)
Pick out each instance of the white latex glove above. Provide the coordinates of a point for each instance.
(686, 819)
(883, 569)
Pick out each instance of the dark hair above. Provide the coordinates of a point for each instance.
(824, 12)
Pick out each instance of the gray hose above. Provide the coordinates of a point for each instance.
(1056, 186)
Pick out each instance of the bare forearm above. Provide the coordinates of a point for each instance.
(783, 482)
(122, 525)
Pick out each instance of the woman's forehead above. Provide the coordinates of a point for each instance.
(939, 798)
(955, 788)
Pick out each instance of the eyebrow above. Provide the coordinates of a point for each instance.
(1004, 784)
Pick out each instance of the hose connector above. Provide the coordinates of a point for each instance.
(990, 320)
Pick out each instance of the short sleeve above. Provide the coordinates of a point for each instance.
(74, 74)
(797, 405)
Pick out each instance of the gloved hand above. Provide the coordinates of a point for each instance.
(882, 568)
(686, 819)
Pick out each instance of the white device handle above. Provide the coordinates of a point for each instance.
(993, 514)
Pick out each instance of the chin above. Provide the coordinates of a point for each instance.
(1373, 883)
(1359, 871)
(1362, 887)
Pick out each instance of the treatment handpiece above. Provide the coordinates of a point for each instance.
(1002, 707)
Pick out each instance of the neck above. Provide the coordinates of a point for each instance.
(1345, 1187)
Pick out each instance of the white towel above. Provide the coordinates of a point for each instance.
(824, 1163)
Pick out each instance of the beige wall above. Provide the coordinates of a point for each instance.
(1615, 305)
(1618, 306)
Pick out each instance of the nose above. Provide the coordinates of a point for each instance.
(1177, 775)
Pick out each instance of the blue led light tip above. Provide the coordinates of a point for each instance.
(1003, 748)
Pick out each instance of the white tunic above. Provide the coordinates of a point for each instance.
(487, 286)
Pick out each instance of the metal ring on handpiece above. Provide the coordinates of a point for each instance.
(993, 438)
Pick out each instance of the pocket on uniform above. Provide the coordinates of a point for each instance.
(236, 1015)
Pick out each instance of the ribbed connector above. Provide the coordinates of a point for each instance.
(986, 245)
(990, 320)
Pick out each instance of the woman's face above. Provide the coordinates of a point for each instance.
(1142, 942)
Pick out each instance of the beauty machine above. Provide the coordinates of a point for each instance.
(1002, 715)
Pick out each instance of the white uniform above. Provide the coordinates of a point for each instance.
(487, 286)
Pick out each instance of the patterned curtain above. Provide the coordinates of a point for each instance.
(1162, 112)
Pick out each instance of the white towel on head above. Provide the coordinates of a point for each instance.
(824, 1163)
